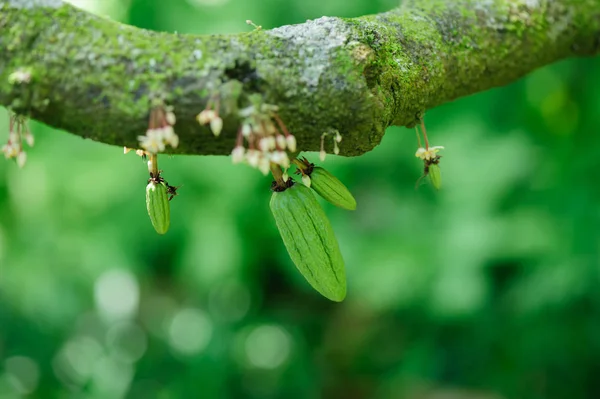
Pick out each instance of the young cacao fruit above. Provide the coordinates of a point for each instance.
(331, 189)
(310, 240)
(435, 175)
(157, 204)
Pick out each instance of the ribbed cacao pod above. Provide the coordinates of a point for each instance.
(157, 204)
(331, 189)
(310, 240)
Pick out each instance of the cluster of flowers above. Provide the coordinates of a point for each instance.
(337, 138)
(160, 131)
(428, 154)
(18, 132)
(211, 117)
(267, 137)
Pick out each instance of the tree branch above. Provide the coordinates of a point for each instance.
(94, 77)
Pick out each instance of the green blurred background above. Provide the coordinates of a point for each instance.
(487, 289)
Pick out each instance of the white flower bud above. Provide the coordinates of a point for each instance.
(237, 155)
(263, 144)
(21, 159)
(322, 155)
(170, 117)
(281, 142)
(291, 142)
(29, 139)
(275, 156)
(246, 130)
(285, 176)
(206, 116)
(285, 161)
(280, 158)
(174, 141)
(306, 180)
(216, 125)
(336, 149)
(264, 165)
(338, 137)
(170, 136)
(253, 157)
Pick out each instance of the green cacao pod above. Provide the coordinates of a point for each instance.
(157, 204)
(435, 175)
(331, 189)
(310, 240)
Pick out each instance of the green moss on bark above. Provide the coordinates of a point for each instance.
(95, 77)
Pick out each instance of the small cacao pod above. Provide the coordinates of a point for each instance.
(310, 240)
(435, 175)
(331, 189)
(157, 204)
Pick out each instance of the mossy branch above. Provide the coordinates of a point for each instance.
(95, 78)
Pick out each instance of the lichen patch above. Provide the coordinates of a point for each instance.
(315, 42)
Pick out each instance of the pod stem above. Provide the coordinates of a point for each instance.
(277, 174)
(418, 137)
(153, 166)
(425, 135)
(301, 165)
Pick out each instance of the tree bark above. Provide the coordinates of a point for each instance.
(95, 77)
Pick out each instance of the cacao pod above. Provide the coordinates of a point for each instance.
(435, 175)
(157, 204)
(310, 240)
(331, 189)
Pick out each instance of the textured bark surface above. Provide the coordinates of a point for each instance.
(94, 77)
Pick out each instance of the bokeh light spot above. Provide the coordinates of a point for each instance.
(73, 365)
(117, 294)
(190, 331)
(268, 346)
(229, 301)
(23, 374)
(111, 379)
(126, 342)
